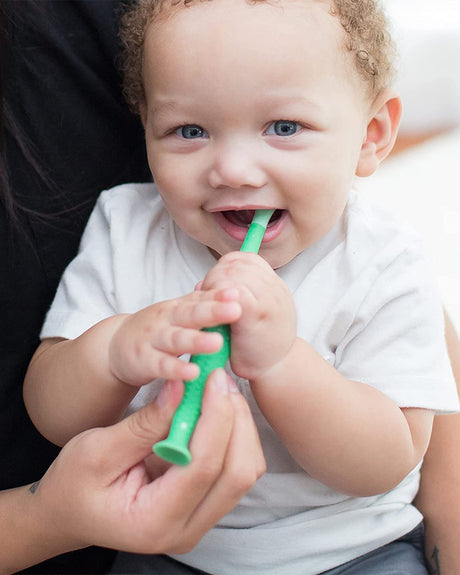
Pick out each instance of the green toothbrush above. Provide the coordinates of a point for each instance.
(175, 447)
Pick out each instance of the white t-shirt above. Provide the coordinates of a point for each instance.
(366, 302)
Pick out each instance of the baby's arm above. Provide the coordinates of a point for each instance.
(73, 385)
(346, 434)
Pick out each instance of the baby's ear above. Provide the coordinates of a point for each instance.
(381, 132)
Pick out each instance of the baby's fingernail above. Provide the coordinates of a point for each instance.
(191, 371)
(230, 294)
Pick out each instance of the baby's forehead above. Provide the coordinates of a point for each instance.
(163, 12)
(320, 11)
(362, 36)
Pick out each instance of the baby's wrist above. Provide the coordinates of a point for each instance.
(273, 373)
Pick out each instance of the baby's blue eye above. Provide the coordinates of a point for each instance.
(283, 128)
(191, 131)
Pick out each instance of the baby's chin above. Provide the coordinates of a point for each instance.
(278, 261)
(215, 254)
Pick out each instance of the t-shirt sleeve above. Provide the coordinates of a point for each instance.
(85, 294)
(397, 342)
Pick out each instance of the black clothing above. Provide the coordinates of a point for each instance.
(69, 135)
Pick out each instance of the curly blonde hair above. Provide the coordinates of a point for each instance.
(366, 36)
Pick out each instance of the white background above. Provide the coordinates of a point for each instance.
(423, 182)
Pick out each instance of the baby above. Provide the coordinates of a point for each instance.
(337, 327)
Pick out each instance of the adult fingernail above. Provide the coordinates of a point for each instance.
(233, 388)
(164, 396)
(220, 381)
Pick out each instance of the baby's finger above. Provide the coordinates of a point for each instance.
(167, 366)
(151, 363)
(233, 268)
(178, 341)
(209, 312)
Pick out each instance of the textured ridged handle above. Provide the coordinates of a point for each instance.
(175, 447)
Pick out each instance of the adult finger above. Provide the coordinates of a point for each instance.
(128, 442)
(171, 499)
(208, 447)
(244, 463)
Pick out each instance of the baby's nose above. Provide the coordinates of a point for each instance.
(236, 166)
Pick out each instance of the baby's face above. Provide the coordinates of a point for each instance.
(253, 106)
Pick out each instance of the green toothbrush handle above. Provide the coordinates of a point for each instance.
(254, 239)
(174, 448)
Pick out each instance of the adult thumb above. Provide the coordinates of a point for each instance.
(130, 440)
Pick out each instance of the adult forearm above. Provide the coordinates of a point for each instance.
(27, 534)
(346, 434)
(439, 495)
(69, 388)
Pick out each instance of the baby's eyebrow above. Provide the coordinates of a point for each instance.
(163, 106)
(167, 109)
(288, 99)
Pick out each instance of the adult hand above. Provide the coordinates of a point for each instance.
(100, 492)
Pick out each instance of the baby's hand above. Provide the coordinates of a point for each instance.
(147, 344)
(266, 330)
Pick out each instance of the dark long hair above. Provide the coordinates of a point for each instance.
(15, 13)
(4, 188)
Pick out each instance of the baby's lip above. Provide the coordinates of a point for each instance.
(235, 222)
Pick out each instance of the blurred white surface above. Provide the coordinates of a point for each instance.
(422, 185)
(427, 34)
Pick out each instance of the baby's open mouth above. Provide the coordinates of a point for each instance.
(244, 218)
